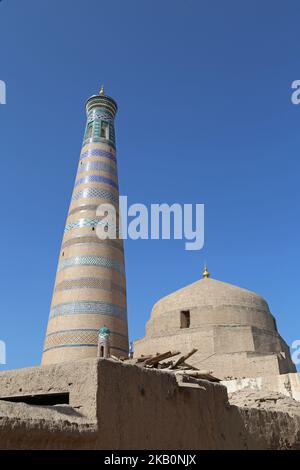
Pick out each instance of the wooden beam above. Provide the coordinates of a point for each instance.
(183, 358)
(160, 357)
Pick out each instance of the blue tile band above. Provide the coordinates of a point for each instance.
(88, 308)
(101, 114)
(96, 179)
(95, 193)
(100, 261)
(84, 346)
(98, 153)
(87, 223)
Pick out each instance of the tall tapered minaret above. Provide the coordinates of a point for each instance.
(90, 286)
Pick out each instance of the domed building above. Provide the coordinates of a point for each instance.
(232, 329)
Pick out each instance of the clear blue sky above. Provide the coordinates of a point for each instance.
(205, 116)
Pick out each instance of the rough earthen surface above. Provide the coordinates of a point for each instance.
(263, 400)
(273, 417)
(120, 406)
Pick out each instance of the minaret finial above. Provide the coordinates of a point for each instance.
(206, 273)
(101, 92)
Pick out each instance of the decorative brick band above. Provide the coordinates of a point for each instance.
(97, 165)
(88, 308)
(84, 207)
(87, 207)
(96, 179)
(96, 193)
(98, 153)
(93, 240)
(91, 261)
(89, 283)
(116, 333)
(77, 337)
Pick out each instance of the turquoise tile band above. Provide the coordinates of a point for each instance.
(100, 261)
(86, 223)
(88, 308)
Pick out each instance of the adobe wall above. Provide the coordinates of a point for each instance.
(119, 406)
(151, 411)
(79, 379)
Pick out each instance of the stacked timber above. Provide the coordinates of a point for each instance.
(164, 361)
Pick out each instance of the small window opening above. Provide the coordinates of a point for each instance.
(185, 319)
(104, 130)
(41, 400)
(102, 351)
(89, 131)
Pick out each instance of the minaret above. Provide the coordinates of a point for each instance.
(90, 286)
